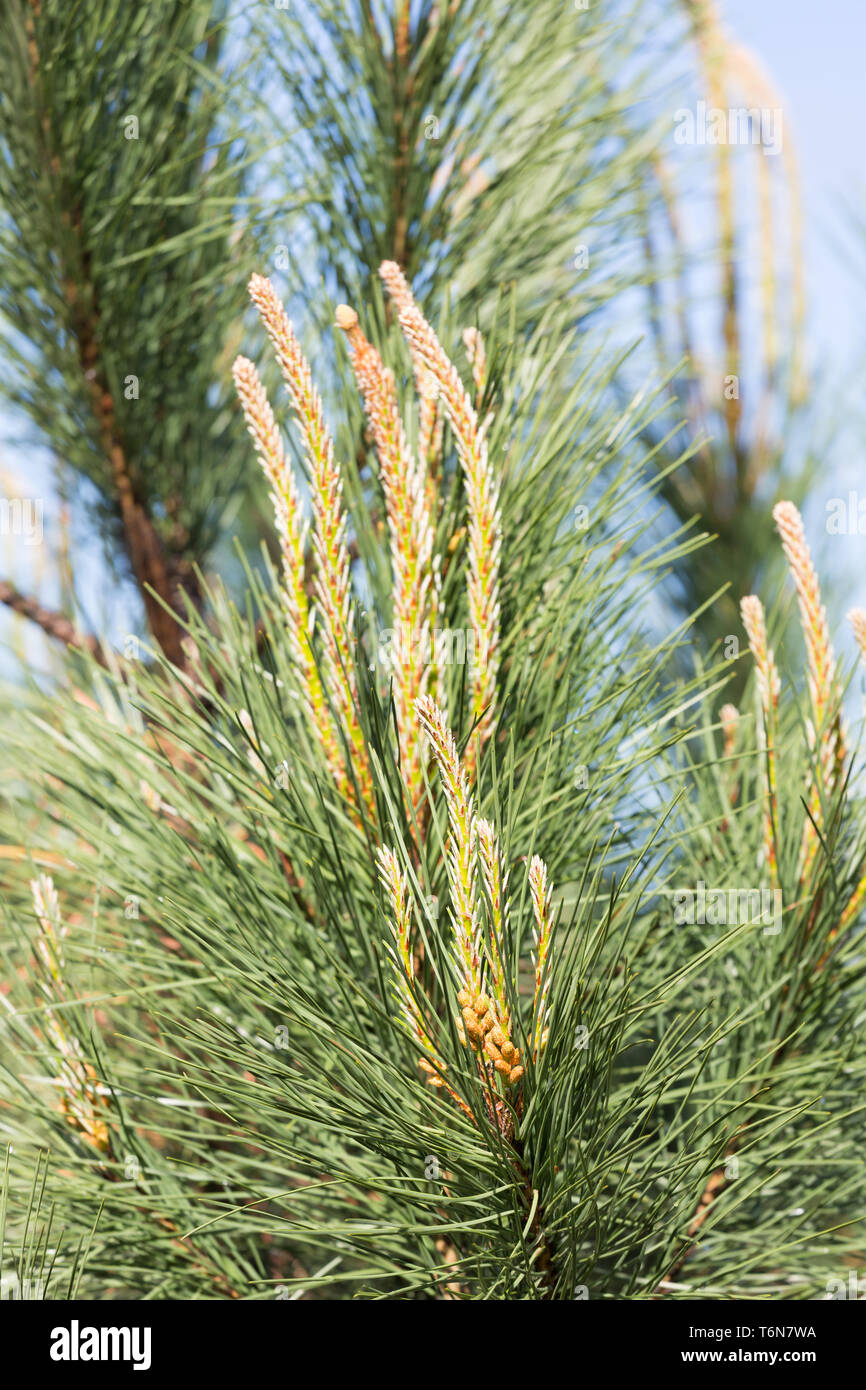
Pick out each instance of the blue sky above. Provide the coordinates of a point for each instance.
(815, 55)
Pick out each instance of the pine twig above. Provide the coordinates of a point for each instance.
(55, 624)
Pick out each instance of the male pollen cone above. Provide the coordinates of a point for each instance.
(347, 319)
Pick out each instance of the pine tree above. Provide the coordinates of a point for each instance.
(419, 917)
(371, 970)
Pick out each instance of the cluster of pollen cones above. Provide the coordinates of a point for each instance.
(477, 929)
(321, 623)
(825, 729)
(83, 1100)
(323, 643)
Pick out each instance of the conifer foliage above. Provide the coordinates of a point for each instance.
(420, 917)
(334, 991)
(119, 188)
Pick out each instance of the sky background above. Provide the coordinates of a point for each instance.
(815, 57)
(815, 54)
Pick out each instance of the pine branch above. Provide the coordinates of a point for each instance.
(55, 624)
(150, 564)
(157, 572)
(114, 246)
(209, 799)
